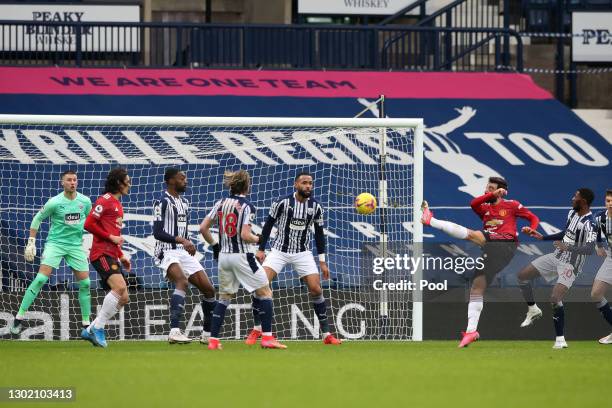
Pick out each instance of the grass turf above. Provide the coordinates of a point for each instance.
(356, 374)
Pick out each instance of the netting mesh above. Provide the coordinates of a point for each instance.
(344, 162)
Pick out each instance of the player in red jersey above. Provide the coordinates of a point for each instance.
(498, 240)
(105, 222)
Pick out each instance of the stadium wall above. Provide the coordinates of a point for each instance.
(477, 125)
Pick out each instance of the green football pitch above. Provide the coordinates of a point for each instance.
(356, 374)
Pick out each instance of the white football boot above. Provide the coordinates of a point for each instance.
(177, 337)
(533, 314)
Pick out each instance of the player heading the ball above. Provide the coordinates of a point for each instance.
(174, 254)
(237, 263)
(67, 212)
(105, 223)
(294, 216)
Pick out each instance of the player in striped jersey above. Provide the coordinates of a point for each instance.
(237, 262)
(603, 279)
(572, 246)
(174, 253)
(294, 216)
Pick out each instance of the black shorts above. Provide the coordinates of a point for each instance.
(107, 266)
(497, 254)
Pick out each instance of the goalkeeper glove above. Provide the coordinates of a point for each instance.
(216, 249)
(30, 250)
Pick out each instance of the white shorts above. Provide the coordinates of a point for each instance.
(180, 256)
(240, 269)
(605, 271)
(552, 268)
(303, 262)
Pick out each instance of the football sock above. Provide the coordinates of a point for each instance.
(559, 318)
(110, 306)
(320, 309)
(208, 305)
(255, 309)
(85, 300)
(474, 309)
(177, 308)
(605, 310)
(452, 229)
(527, 291)
(218, 316)
(31, 293)
(266, 312)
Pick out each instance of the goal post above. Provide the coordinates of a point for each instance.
(343, 155)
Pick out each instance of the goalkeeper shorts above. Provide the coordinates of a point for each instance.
(73, 255)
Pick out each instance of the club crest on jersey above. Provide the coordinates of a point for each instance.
(310, 211)
(503, 213)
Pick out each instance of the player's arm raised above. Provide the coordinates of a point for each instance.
(319, 236)
(477, 202)
(42, 214)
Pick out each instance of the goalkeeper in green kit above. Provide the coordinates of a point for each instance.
(67, 212)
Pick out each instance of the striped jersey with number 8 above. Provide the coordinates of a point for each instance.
(232, 213)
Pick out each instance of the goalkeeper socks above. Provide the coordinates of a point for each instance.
(31, 293)
(85, 300)
(255, 309)
(605, 310)
(452, 229)
(208, 305)
(177, 308)
(559, 318)
(527, 291)
(266, 312)
(320, 309)
(218, 316)
(110, 306)
(474, 310)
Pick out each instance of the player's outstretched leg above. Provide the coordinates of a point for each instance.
(452, 229)
(28, 298)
